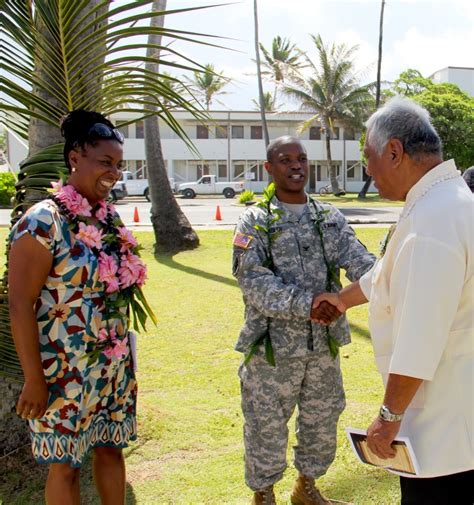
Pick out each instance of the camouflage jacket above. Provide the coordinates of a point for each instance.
(278, 298)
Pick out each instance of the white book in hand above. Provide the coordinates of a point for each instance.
(403, 463)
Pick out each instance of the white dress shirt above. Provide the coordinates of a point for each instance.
(421, 318)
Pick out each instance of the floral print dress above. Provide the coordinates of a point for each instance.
(90, 404)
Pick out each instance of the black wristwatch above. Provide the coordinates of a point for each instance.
(387, 415)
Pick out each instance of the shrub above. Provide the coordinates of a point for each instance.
(7, 187)
(246, 196)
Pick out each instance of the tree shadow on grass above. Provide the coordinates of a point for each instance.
(356, 488)
(361, 330)
(22, 481)
(171, 263)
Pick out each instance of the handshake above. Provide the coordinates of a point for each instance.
(326, 308)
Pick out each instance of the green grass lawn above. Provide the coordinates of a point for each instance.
(351, 200)
(190, 448)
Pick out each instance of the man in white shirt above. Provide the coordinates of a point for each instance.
(421, 299)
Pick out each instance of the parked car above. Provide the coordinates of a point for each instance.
(119, 191)
(207, 185)
(139, 187)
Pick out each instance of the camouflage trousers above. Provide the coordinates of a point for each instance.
(269, 397)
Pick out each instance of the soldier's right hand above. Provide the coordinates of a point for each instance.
(326, 308)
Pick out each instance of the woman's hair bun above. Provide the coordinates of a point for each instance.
(75, 124)
(75, 127)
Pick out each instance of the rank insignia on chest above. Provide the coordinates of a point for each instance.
(243, 241)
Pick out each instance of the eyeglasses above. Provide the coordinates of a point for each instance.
(106, 132)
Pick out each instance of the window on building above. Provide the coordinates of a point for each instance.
(123, 129)
(256, 132)
(353, 171)
(349, 134)
(256, 168)
(221, 132)
(202, 132)
(239, 170)
(139, 130)
(322, 171)
(335, 133)
(202, 169)
(222, 170)
(315, 133)
(140, 169)
(237, 132)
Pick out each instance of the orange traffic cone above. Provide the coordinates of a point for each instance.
(218, 214)
(136, 217)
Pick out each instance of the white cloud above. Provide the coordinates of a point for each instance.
(366, 56)
(428, 53)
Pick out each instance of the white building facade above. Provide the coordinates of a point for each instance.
(231, 146)
(461, 76)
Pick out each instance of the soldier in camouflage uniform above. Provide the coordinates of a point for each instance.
(281, 267)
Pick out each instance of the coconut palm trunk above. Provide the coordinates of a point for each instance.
(366, 186)
(41, 134)
(173, 232)
(259, 78)
(61, 56)
(331, 168)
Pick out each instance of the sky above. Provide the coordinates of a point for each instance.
(423, 34)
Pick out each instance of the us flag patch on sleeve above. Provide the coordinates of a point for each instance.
(243, 241)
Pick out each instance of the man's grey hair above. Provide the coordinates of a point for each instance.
(405, 120)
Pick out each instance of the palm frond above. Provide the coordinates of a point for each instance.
(35, 176)
(81, 44)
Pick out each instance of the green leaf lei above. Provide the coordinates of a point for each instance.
(333, 282)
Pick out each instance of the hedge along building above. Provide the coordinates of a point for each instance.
(231, 147)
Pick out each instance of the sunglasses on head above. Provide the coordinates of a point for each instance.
(103, 131)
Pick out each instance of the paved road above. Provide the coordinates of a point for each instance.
(201, 212)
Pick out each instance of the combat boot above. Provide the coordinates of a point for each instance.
(264, 497)
(306, 493)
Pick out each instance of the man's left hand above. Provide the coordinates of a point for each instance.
(380, 436)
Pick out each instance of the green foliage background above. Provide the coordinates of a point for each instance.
(7, 187)
(452, 113)
(451, 110)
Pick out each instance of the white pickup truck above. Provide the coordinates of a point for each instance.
(139, 187)
(207, 185)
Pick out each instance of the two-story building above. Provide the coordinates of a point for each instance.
(231, 146)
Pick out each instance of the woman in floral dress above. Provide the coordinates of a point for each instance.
(74, 276)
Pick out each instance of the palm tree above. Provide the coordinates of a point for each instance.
(173, 232)
(284, 58)
(331, 92)
(208, 83)
(269, 102)
(366, 186)
(60, 55)
(261, 98)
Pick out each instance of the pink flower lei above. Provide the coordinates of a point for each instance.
(121, 269)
